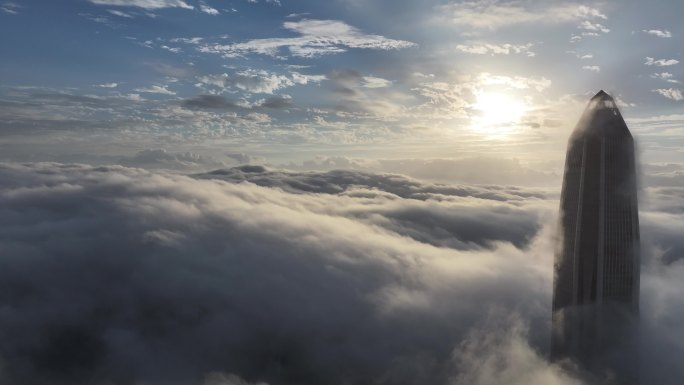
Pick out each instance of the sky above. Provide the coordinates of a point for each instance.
(291, 82)
(335, 192)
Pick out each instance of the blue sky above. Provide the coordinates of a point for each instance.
(290, 81)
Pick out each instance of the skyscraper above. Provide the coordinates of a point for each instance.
(596, 281)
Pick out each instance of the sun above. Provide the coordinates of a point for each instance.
(496, 113)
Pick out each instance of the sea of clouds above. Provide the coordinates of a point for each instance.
(248, 275)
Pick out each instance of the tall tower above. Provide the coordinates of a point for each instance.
(596, 281)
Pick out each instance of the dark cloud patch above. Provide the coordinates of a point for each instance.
(210, 102)
(31, 103)
(33, 126)
(171, 70)
(276, 102)
(217, 102)
(345, 75)
(8, 104)
(343, 82)
(462, 227)
(69, 99)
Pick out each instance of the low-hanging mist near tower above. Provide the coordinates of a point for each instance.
(596, 283)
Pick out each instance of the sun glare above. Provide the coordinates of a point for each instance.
(496, 113)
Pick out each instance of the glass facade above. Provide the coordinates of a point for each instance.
(596, 282)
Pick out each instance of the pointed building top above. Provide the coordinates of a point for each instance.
(602, 95)
(602, 100)
(602, 116)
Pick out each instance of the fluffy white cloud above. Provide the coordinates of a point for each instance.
(257, 81)
(657, 32)
(493, 14)
(146, 4)
(589, 12)
(499, 353)
(660, 62)
(593, 68)
(670, 93)
(316, 38)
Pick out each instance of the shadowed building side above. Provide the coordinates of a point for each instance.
(596, 282)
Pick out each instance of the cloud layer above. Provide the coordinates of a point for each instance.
(249, 275)
(124, 275)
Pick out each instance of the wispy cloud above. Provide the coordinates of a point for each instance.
(375, 82)
(274, 2)
(581, 56)
(297, 15)
(187, 40)
(517, 82)
(208, 9)
(155, 89)
(120, 13)
(576, 38)
(317, 37)
(658, 32)
(670, 93)
(108, 85)
(10, 7)
(492, 14)
(496, 49)
(660, 62)
(170, 49)
(146, 4)
(665, 76)
(592, 68)
(595, 27)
